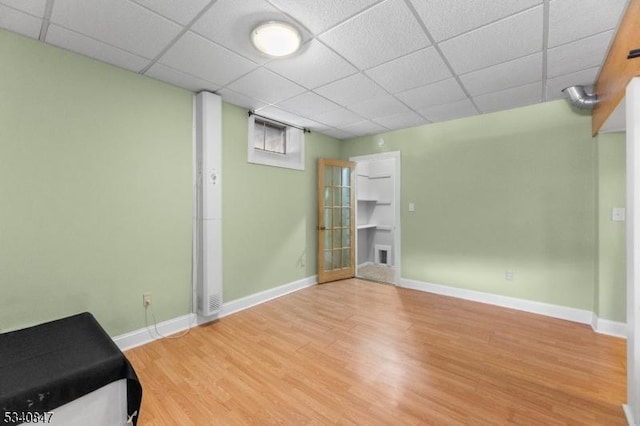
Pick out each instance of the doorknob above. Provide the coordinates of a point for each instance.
(322, 228)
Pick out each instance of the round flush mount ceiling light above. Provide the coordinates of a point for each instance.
(276, 39)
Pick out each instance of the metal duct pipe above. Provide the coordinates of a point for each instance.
(579, 97)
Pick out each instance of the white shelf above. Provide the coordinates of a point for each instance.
(378, 202)
(374, 176)
(378, 227)
(366, 226)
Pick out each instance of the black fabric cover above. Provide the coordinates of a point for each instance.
(51, 364)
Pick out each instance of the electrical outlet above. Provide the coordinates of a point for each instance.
(146, 299)
(508, 275)
(618, 214)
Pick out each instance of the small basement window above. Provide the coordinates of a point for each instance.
(270, 137)
(275, 144)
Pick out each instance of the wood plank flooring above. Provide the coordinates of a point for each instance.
(360, 353)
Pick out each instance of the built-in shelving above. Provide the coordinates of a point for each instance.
(375, 214)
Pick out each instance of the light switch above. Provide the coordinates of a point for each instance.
(618, 214)
(412, 207)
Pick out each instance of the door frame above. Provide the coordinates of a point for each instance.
(632, 95)
(397, 187)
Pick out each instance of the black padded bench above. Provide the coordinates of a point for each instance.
(51, 364)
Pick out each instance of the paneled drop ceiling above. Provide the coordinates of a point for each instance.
(366, 66)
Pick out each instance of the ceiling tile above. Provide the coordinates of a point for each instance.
(204, 59)
(19, 22)
(584, 78)
(180, 11)
(585, 53)
(444, 112)
(446, 18)
(289, 118)
(180, 79)
(32, 7)
(570, 20)
(433, 94)
(338, 134)
(315, 66)
(240, 100)
(317, 127)
(319, 16)
(230, 22)
(416, 69)
(89, 47)
(308, 104)
(518, 35)
(351, 90)
(370, 65)
(338, 118)
(507, 74)
(402, 120)
(266, 86)
(119, 23)
(364, 128)
(510, 98)
(382, 106)
(381, 33)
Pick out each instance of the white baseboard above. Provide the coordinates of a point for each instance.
(175, 325)
(148, 334)
(629, 415)
(145, 335)
(612, 328)
(264, 296)
(562, 312)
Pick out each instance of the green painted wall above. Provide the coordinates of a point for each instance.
(96, 195)
(513, 190)
(95, 190)
(269, 213)
(610, 290)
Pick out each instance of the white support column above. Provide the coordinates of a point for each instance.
(632, 408)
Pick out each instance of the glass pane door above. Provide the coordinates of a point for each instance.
(335, 220)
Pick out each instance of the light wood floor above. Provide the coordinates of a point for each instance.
(360, 353)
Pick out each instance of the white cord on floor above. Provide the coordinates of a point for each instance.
(155, 325)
